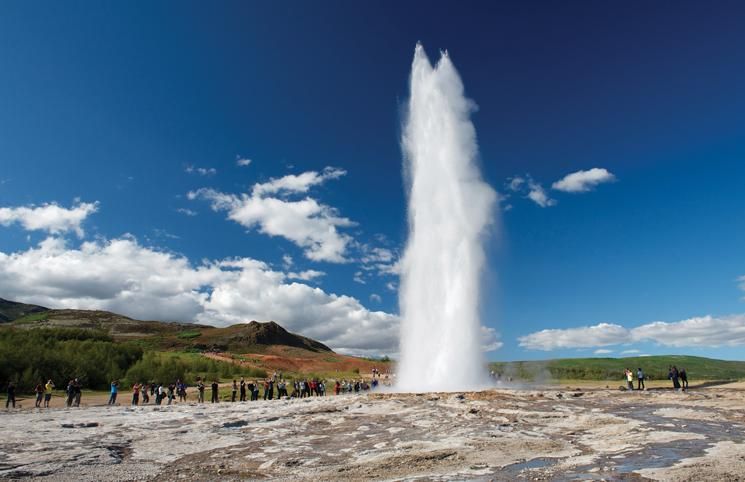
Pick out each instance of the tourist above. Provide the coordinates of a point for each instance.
(114, 391)
(78, 389)
(640, 379)
(145, 397)
(684, 378)
(200, 390)
(215, 388)
(255, 391)
(337, 387)
(136, 394)
(280, 389)
(70, 392)
(181, 388)
(250, 389)
(171, 393)
(674, 376)
(629, 379)
(243, 389)
(11, 395)
(235, 390)
(39, 390)
(266, 389)
(302, 388)
(48, 393)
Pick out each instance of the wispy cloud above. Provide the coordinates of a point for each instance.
(531, 189)
(186, 212)
(300, 183)
(50, 217)
(375, 298)
(242, 161)
(583, 181)
(602, 351)
(538, 195)
(202, 171)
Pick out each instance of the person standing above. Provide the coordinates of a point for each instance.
(675, 376)
(243, 389)
(114, 391)
(48, 393)
(136, 394)
(11, 395)
(235, 390)
(630, 379)
(78, 388)
(215, 388)
(684, 378)
(200, 391)
(640, 379)
(171, 393)
(39, 390)
(70, 392)
(145, 397)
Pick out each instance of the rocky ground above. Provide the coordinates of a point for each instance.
(557, 434)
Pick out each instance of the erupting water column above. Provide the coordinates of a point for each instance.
(450, 207)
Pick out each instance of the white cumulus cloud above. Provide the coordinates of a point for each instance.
(583, 181)
(603, 334)
(490, 339)
(707, 331)
(50, 217)
(703, 331)
(306, 275)
(306, 222)
(123, 276)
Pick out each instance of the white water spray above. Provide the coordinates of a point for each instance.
(450, 207)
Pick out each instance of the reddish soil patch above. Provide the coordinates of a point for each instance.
(289, 359)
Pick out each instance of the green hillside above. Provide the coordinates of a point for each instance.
(11, 310)
(655, 367)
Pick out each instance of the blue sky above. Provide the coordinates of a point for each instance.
(123, 105)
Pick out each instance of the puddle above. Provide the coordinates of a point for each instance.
(617, 467)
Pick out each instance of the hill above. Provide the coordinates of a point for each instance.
(11, 310)
(239, 338)
(655, 367)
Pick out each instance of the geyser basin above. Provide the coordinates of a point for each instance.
(450, 207)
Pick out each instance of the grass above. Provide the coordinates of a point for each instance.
(655, 368)
(188, 335)
(31, 318)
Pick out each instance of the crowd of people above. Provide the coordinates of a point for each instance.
(274, 387)
(679, 377)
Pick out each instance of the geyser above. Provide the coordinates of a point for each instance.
(450, 207)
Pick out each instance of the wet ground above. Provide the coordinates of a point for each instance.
(493, 435)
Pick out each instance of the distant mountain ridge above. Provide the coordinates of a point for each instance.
(12, 310)
(240, 338)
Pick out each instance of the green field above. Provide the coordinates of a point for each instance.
(655, 368)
